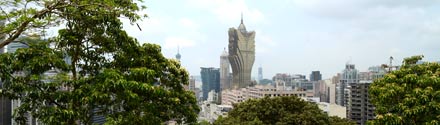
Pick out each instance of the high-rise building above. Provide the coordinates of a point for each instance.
(349, 75)
(360, 109)
(315, 76)
(241, 55)
(260, 73)
(192, 84)
(210, 80)
(224, 71)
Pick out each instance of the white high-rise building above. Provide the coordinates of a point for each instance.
(225, 82)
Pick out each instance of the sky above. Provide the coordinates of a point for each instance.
(295, 36)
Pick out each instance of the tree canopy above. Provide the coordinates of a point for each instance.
(410, 95)
(109, 72)
(288, 110)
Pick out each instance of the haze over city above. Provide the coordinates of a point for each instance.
(295, 36)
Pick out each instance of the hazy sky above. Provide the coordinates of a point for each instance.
(295, 36)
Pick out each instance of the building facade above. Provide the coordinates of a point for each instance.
(210, 80)
(260, 73)
(315, 76)
(360, 109)
(241, 55)
(225, 82)
(349, 75)
(230, 97)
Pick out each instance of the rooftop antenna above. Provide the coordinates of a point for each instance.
(241, 17)
(178, 49)
(391, 63)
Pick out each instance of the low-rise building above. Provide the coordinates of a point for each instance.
(230, 97)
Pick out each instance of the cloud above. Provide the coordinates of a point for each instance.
(264, 43)
(188, 23)
(354, 8)
(228, 11)
(174, 42)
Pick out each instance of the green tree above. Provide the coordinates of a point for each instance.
(29, 16)
(289, 110)
(110, 74)
(410, 95)
(203, 122)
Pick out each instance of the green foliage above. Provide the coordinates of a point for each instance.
(203, 122)
(334, 120)
(28, 16)
(410, 95)
(110, 72)
(278, 110)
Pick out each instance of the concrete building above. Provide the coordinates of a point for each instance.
(332, 109)
(315, 76)
(213, 97)
(349, 75)
(230, 97)
(225, 82)
(360, 108)
(325, 90)
(210, 80)
(293, 81)
(210, 111)
(241, 55)
(192, 83)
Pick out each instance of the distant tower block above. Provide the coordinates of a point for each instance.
(260, 73)
(241, 55)
(224, 71)
(178, 56)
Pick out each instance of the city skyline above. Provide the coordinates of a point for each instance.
(294, 36)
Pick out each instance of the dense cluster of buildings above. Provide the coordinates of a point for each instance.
(344, 95)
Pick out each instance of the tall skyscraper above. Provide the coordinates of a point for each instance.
(260, 73)
(210, 80)
(224, 71)
(315, 76)
(241, 55)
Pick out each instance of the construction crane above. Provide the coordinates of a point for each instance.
(390, 65)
